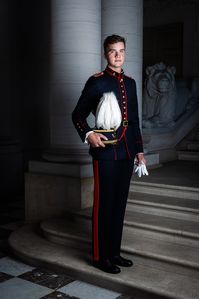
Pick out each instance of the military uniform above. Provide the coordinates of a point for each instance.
(113, 165)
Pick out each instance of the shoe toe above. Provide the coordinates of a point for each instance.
(120, 261)
(107, 266)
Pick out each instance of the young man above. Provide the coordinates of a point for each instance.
(112, 163)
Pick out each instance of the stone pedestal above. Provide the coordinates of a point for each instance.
(52, 189)
(164, 140)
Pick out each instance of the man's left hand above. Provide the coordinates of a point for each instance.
(140, 158)
(140, 165)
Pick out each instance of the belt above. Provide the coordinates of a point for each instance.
(112, 133)
(126, 123)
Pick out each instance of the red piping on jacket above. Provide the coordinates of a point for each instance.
(96, 213)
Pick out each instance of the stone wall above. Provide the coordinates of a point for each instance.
(187, 12)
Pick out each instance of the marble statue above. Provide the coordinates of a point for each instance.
(159, 96)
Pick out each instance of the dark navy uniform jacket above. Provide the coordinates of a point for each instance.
(124, 89)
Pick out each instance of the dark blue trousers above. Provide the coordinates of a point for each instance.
(111, 187)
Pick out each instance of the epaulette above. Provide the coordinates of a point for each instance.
(98, 74)
(129, 77)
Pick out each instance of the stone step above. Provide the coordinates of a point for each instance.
(179, 231)
(164, 190)
(193, 146)
(178, 208)
(168, 229)
(64, 232)
(188, 155)
(147, 279)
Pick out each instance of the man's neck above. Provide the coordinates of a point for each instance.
(118, 70)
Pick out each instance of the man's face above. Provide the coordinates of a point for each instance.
(115, 55)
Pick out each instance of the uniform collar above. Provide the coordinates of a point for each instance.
(114, 73)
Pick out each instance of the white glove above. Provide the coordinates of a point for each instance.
(140, 169)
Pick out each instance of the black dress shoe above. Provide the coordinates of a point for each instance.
(107, 266)
(120, 261)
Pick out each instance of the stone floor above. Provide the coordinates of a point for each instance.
(22, 281)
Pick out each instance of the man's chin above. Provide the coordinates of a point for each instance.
(118, 65)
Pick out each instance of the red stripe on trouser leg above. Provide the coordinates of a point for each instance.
(96, 213)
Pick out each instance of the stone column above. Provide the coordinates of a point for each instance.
(11, 165)
(126, 18)
(66, 180)
(76, 55)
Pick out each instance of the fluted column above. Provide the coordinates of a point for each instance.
(76, 55)
(126, 18)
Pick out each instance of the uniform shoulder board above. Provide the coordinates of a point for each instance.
(129, 77)
(98, 74)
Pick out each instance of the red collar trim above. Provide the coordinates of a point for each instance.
(114, 73)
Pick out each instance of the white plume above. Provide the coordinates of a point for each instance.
(108, 113)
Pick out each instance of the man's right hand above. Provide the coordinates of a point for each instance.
(95, 139)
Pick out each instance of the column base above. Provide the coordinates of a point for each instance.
(52, 189)
(74, 155)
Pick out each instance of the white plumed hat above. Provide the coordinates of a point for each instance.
(108, 113)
